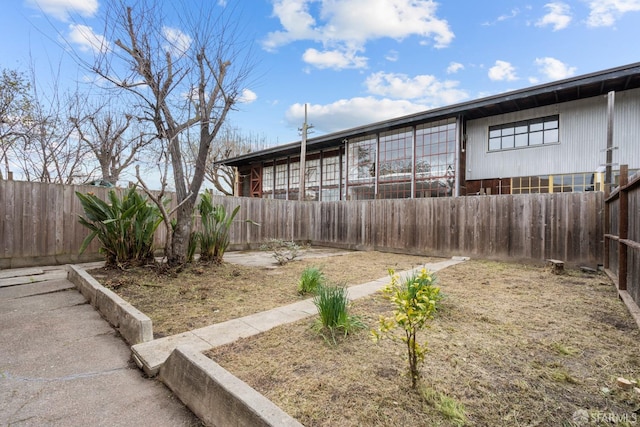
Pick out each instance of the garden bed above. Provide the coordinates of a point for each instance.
(204, 294)
(511, 345)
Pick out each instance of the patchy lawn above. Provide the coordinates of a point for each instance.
(513, 345)
(202, 295)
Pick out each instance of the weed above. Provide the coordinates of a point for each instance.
(563, 350)
(449, 407)
(310, 279)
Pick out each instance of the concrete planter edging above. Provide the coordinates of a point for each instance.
(134, 326)
(215, 395)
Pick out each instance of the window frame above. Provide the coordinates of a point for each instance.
(539, 131)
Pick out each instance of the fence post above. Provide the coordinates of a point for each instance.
(624, 228)
(607, 228)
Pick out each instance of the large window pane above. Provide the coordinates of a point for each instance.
(550, 136)
(522, 140)
(507, 142)
(535, 138)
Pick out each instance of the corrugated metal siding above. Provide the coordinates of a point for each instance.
(582, 139)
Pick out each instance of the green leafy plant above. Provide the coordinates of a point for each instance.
(310, 279)
(415, 302)
(333, 305)
(125, 227)
(216, 223)
(283, 251)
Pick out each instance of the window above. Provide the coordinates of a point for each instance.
(565, 183)
(395, 164)
(435, 158)
(362, 167)
(527, 133)
(267, 182)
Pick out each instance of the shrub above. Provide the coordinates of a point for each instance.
(332, 304)
(125, 227)
(283, 251)
(416, 300)
(216, 222)
(310, 280)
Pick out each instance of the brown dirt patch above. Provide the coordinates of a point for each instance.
(513, 343)
(202, 295)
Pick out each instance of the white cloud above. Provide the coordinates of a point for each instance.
(454, 67)
(554, 69)
(425, 88)
(296, 20)
(559, 16)
(604, 13)
(349, 113)
(514, 12)
(502, 70)
(247, 97)
(333, 59)
(392, 56)
(177, 41)
(87, 40)
(61, 9)
(347, 25)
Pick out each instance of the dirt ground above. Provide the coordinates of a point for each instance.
(513, 345)
(202, 295)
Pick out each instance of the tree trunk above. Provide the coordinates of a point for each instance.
(181, 233)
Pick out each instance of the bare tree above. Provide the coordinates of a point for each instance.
(230, 143)
(15, 112)
(49, 150)
(113, 140)
(187, 78)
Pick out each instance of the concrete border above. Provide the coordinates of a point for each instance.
(216, 396)
(134, 326)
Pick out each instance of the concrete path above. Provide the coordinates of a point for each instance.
(151, 355)
(61, 364)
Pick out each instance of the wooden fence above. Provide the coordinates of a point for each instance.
(566, 226)
(622, 236)
(39, 225)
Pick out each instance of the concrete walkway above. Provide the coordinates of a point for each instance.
(151, 355)
(61, 364)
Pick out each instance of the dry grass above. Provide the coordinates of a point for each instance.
(202, 295)
(513, 345)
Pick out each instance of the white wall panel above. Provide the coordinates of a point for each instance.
(582, 139)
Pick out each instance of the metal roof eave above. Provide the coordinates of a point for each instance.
(561, 91)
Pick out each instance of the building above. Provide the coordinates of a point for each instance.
(542, 139)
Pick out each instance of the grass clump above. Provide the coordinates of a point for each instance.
(333, 308)
(310, 280)
(449, 407)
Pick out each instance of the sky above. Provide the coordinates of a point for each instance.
(356, 62)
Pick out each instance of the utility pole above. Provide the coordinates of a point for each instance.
(303, 156)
